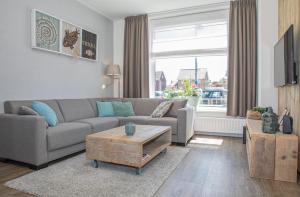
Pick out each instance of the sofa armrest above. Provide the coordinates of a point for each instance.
(185, 124)
(23, 138)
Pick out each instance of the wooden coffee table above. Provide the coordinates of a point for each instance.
(113, 146)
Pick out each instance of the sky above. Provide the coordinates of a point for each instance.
(216, 66)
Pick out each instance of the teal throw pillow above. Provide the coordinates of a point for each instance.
(105, 109)
(123, 109)
(46, 111)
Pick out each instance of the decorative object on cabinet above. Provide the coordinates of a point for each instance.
(270, 121)
(287, 124)
(256, 113)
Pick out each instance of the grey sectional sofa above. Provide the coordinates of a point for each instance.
(27, 139)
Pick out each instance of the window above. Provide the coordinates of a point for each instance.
(190, 59)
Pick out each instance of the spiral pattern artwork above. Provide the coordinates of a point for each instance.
(47, 32)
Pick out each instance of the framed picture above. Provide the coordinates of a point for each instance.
(71, 39)
(55, 35)
(45, 31)
(89, 45)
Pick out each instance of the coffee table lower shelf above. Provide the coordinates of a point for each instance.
(97, 164)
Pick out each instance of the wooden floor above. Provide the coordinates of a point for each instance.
(215, 167)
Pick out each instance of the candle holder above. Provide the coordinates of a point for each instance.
(130, 129)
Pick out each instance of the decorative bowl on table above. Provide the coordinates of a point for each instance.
(130, 129)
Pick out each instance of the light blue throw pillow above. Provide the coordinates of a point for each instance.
(105, 109)
(46, 111)
(123, 109)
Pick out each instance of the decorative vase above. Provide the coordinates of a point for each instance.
(270, 121)
(130, 129)
(193, 100)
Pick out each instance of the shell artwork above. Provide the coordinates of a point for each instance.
(70, 38)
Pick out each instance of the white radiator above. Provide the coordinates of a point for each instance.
(219, 126)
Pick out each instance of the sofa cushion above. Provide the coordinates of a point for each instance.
(177, 104)
(105, 109)
(124, 109)
(93, 101)
(101, 123)
(145, 106)
(142, 120)
(24, 110)
(12, 107)
(164, 121)
(76, 109)
(46, 111)
(161, 109)
(67, 134)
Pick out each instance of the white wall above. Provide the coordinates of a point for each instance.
(27, 73)
(119, 51)
(267, 37)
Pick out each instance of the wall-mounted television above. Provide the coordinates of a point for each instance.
(285, 68)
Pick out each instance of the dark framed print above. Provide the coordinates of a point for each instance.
(89, 45)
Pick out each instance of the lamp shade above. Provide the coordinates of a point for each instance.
(113, 70)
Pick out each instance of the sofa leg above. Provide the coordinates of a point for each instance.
(34, 167)
(3, 160)
(244, 134)
(31, 166)
(180, 144)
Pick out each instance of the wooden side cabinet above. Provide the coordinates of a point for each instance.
(286, 158)
(271, 156)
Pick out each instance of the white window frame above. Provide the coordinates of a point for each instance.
(182, 16)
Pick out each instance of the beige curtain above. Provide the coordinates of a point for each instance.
(136, 57)
(242, 57)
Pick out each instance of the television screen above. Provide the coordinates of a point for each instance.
(285, 71)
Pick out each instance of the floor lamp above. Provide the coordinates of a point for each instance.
(114, 71)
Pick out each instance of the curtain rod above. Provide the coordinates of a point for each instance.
(190, 10)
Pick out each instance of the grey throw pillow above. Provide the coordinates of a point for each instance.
(177, 104)
(24, 110)
(161, 109)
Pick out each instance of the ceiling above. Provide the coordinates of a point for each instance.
(117, 9)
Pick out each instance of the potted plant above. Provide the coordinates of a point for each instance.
(191, 93)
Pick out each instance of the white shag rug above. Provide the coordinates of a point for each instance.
(76, 177)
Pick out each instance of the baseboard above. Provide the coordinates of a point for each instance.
(219, 134)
